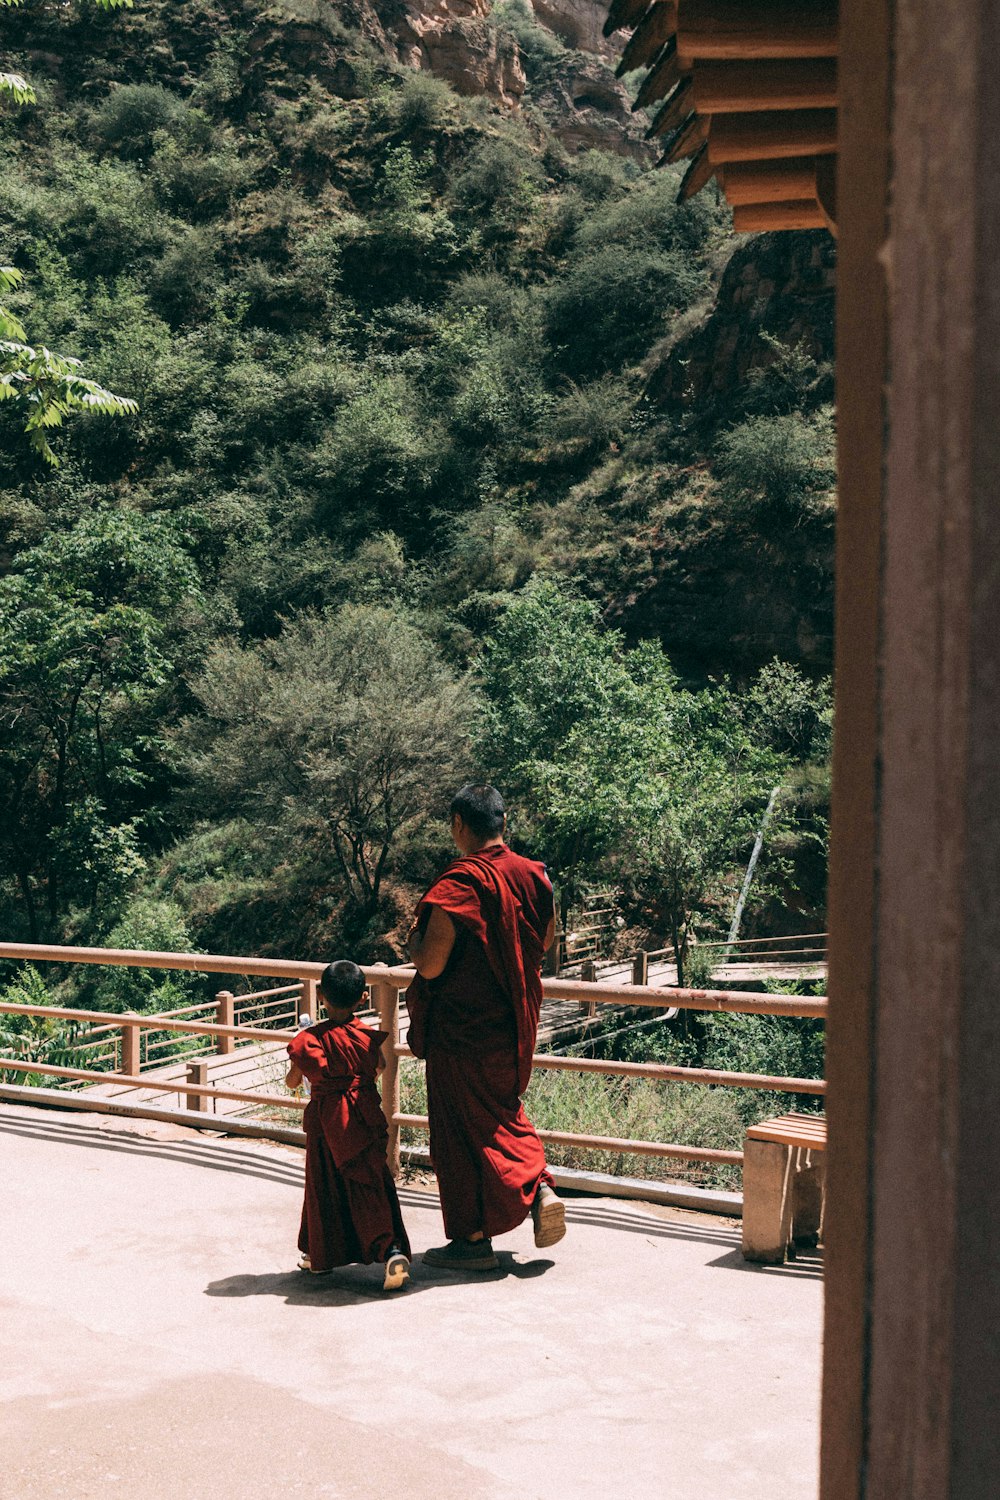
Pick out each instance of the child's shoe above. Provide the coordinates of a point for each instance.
(397, 1271)
(305, 1264)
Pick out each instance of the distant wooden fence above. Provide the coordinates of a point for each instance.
(385, 983)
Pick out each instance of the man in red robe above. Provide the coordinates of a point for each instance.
(477, 942)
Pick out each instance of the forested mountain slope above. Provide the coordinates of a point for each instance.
(429, 388)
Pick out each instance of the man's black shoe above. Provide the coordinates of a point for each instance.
(463, 1255)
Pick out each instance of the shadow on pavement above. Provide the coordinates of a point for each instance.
(349, 1286)
(224, 1156)
(186, 1153)
(807, 1265)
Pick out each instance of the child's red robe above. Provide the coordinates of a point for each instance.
(351, 1211)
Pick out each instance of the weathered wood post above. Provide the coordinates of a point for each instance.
(131, 1063)
(386, 1000)
(588, 973)
(550, 962)
(309, 999)
(197, 1073)
(640, 968)
(225, 1006)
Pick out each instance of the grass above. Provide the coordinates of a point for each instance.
(680, 1114)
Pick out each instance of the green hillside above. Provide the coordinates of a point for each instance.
(440, 468)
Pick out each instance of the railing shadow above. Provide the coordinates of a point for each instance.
(227, 1157)
(807, 1266)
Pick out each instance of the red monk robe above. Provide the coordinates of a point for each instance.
(351, 1211)
(476, 1024)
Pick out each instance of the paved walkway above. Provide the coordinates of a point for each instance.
(155, 1343)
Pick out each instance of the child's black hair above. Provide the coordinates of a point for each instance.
(342, 984)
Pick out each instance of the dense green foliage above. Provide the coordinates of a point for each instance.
(393, 476)
(44, 387)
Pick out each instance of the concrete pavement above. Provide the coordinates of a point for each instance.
(156, 1342)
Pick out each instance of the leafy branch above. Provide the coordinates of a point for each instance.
(49, 385)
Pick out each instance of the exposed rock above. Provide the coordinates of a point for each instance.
(578, 23)
(779, 284)
(587, 108)
(454, 40)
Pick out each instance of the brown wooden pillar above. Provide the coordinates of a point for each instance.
(912, 1364)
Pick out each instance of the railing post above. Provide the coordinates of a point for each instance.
(550, 961)
(225, 1003)
(588, 973)
(309, 999)
(386, 998)
(640, 968)
(131, 1064)
(197, 1072)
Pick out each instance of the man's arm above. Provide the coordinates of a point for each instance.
(293, 1077)
(431, 949)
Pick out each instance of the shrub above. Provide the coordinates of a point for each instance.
(539, 48)
(497, 187)
(131, 115)
(159, 926)
(613, 304)
(782, 466)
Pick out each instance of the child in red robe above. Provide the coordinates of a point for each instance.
(351, 1211)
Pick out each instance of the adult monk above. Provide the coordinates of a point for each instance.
(477, 941)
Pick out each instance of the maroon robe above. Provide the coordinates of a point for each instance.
(476, 1025)
(351, 1211)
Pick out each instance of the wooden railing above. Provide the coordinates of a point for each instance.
(792, 952)
(385, 983)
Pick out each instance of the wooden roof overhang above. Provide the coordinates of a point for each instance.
(747, 94)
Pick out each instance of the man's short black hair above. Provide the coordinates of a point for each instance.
(480, 808)
(342, 984)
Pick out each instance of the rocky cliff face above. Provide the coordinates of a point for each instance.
(780, 285)
(457, 40)
(578, 23)
(454, 40)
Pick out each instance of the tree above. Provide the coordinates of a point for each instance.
(346, 732)
(559, 705)
(47, 386)
(698, 823)
(83, 658)
(615, 769)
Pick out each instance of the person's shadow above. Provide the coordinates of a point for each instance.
(349, 1286)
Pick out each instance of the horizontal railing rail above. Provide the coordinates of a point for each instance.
(385, 982)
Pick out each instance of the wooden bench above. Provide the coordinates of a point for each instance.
(783, 1182)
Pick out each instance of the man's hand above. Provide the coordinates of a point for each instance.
(431, 950)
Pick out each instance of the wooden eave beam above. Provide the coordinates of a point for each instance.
(689, 139)
(778, 181)
(657, 26)
(664, 75)
(736, 87)
(727, 30)
(793, 132)
(699, 173)
(673, 113)
(756, 218)
(624, 13)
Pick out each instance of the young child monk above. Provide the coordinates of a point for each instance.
(351, 1211)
